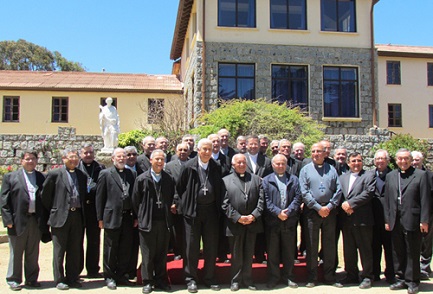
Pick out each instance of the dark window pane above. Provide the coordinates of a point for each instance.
(237, 13)
(430, 74)
(393, 73)
(227, 88)
(59, 109)
(338, 15)
(246, 89)
(346, 16)
(290, 84)
(430, 116)
(11, 108)
(227, 70)
(236, 81)
(394, 115)
(288, 14)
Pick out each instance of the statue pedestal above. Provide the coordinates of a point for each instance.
(104, 158)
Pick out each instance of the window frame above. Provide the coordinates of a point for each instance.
(290, 81)
(393, 121)
(429, 73)
(9, 109)
(430, 115)
(304, 22)
(237, 80)
(60, 112)
(324, 7)
(155, 112)
(236, 22)
(393, 72)
(341, 82)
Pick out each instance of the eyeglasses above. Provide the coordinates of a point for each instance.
(131, 154)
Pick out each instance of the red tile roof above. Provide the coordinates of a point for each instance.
(88, 81)
(404, 51)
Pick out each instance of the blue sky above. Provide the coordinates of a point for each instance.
(135, 36)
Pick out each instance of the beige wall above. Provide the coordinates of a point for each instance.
(413, 94)
(35, 111)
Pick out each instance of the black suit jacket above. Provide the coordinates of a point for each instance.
(415, 199)
(174, 168)
(264, 165)
(224, 163)
(237, 204)
(143, 162)
(15, 202)
(109, 193)
(273, 200)
(56, 194)
(144, 197)
(359, 199)
(94, 174)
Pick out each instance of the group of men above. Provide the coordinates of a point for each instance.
(237, 201)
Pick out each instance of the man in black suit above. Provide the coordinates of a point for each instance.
(152, 201)
(381, 237)
(264, 144)
(148, 145)
(243, 206)
(162, 143)
(91, 168)
(283, 200)
(63, 194)
(357, 221)
(293, 165)
(25, 219)
(407, 214)
(241, 144)
(116, 217)
(131, 163)
(228, 151)
(200, 204)
(340, 157)
(174, 169)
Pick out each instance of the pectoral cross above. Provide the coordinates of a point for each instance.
(322, 188)
(159, 203)
(205, 189)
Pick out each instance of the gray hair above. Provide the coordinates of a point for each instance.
(282, 141)
(417, 154)
(382, 151)
(147, 138)
(236, 156)
(298, 144)
(68, 150)
(157, 151)
(117, 149)
(202, 142)
(130, 148)
(223, 130)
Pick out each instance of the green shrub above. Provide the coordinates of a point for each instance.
(132, 138)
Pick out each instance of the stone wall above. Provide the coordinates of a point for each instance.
(47, 146)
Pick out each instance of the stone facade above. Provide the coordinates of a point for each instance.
(49, 147)
(263, 56)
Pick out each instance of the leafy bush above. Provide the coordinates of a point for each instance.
(132, 138)
(402, 141)
(259, 117)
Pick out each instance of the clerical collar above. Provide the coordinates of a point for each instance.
(88, 164)
(202, 164)
(241, 175)
(71, 170)
(354, 174)
(155, 176)
(215, 155)
(30, 172)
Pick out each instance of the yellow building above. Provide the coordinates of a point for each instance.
(40, 102)
(315, 54)
(405, 79)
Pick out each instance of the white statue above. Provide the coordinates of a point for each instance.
(109, 123)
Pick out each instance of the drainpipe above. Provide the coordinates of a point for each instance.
(372, 65)
(203, 61)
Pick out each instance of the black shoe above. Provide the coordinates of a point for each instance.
(94, 276)
(214, 287)
(177, 257)
(391, 280)
(147, 289)
(14, 286)
(33, 284)
(292, 284)
(75, 284)
(349, 281)
(412, 290)
(365, 284)
(398, 285)
(376, 278)
(62, 286)
(234, 287)
(310, 285)
(111, 284)
(125, 282)
(424, 277)
(252, 288)
(192, 287)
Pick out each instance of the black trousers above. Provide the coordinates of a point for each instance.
(93, 238)
(279, 240)
(135, 246)
(154, 248)
(67, 240)
(326, 226)
(381, 239)
(176, 235)
(426, 250)
(203, 226)
(117, 249)
(358, 238)
(242, 257)
(406, 253)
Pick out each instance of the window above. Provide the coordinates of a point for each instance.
(155, 110)
(338, 15)
(59, 109)
(340, 92)
(236, 81)
(288, 14)
(430, 116)
(429, 74)
(103, 103)
(237, 13)
(394, 115)
(290, 84)
(11, 109)
(393, 73)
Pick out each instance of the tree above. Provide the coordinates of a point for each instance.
(255, 117)
(23, 55)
